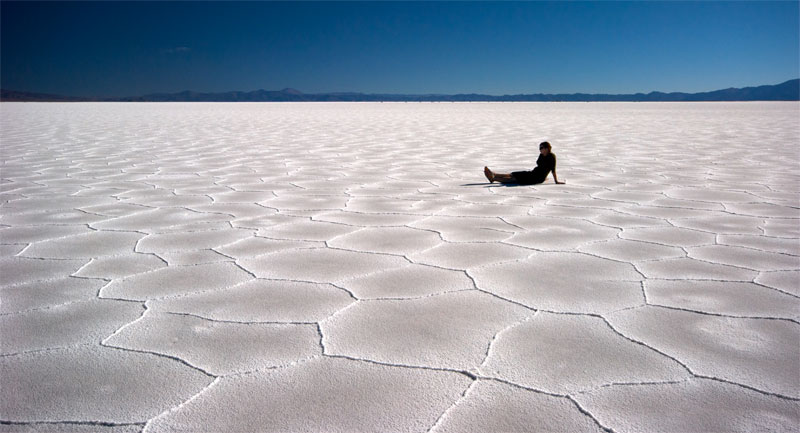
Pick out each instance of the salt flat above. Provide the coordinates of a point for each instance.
(345, 267)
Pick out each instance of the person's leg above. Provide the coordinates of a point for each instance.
(488, 173)
(505, 178)
(499, 177)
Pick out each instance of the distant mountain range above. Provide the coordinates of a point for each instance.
(788, 91)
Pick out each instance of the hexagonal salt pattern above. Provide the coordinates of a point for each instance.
(219, 348)
(261, 301)
(759, 353)
(566, 354)
(697, 405)
(97, 384)
(408, 282)
(64, 325)
(249, 267)
(331, 395)
(443, 331)
(47, 293)
(568, 282)
(493, 406)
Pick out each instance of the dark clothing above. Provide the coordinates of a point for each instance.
(544, 165)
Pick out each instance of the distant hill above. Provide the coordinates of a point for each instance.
(12, 95)
(788, 91)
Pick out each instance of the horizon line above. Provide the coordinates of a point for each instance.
(290, 91)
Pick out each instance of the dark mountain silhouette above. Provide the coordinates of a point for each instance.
(788, 91)
(13, 95)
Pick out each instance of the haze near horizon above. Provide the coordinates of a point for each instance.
(120, 49)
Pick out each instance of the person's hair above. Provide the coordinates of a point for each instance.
(545, 144)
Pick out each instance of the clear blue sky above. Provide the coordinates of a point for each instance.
(127, 49)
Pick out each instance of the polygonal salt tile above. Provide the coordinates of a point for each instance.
(236, 210)
(408, 281)
(319, 265)
(111, 267)
(95, 244)
(484, 210)
(637, 197)
(192, 258)
(176, 280)
(200, 226)
(11, 250)
(468, 255)
(49, 293)
(566, 282)
(786, 281)
(61, 427)
(306, 231)
(172, 200)
(219, 348)
(65, 325)
(325, 184)
(262, 301)
(760, 353)
(565, 354)
(56, 202)
(586, 202)
(156, 219)
(467, 229)
(711, 195)
(256, 246)
(17, 270)
(783, 228)
(624, 221)
(482, 199)
(558, 234)
(687, 268)
(557, 211)
(670, 236)
(444, 331)
(665, 212)
(308, 202)
(745, 258)
(115, 209)
(739, 299)
(388, 240)
(154, 193)
(722, 224)
(170, 242)
(699, 405)
(93, 383)
(368, 220)
(631, 251)
(52, 217)
(765, 210)
(496, 407)
(324, 394)
(377, 192)
(241, 196)
(29, 234)
(765, 243)
(393, 205)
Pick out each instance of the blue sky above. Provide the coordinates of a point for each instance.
(134, 48)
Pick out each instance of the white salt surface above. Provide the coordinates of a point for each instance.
(346, 267)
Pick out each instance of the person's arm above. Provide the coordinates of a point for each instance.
(555, 176)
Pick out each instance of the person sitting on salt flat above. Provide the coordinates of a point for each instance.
(544, 165)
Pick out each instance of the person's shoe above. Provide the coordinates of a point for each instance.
(488, 173)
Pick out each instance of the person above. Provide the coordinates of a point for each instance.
(544, 165)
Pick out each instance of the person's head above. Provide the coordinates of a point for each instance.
(544, 148)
